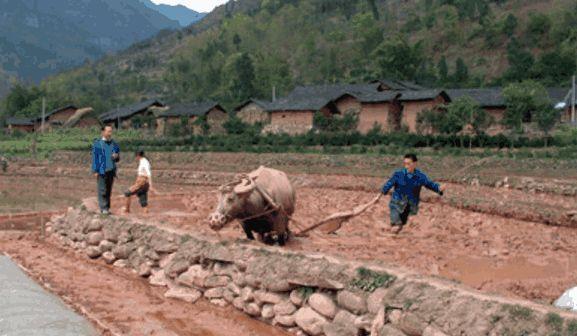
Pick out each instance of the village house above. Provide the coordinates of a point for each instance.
(379, 109)
(489, 99)
(294, 114)
(188, 115)
(55, 118)
(372, 109)
(561, 100)
(493, 102)
(15, 124)
(83, 118)
(396, 85)
(139, 115)
(66, 117)
(384, 103)
(253, 111)
(416, 101)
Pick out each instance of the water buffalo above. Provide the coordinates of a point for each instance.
(262, 201)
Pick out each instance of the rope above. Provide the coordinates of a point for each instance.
(302, 228)
(258, 215)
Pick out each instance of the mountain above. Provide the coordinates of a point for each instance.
(246, 47)
(184, 15)
(40, 37)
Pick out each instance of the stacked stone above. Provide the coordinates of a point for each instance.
(304, 294)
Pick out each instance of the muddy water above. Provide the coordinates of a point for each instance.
(27, 309)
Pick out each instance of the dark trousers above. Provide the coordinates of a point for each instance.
(401, 210)
(104, 184)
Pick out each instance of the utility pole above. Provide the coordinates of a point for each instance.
(43, 114)
(118, 117)
(573, 101)
(273, 93)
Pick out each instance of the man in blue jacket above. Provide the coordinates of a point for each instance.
(408, 183)
(105, 154)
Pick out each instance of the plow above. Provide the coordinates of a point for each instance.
(333, 222)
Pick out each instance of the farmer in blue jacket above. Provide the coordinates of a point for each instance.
(408, 183)
(105, 154)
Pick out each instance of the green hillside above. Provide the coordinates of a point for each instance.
(246, 47)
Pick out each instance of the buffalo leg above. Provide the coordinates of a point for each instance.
(247, 231)
(282, 238)
(283, 230)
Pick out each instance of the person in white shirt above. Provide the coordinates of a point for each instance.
(142, 184)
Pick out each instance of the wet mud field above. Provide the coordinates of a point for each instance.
(498, 240)
(488, 252)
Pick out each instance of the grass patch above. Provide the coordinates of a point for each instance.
(554, 321)
(306, 292)
(519, 313)
(368, 280)
(185, 238)
(408, 304)
(572, 328)
(496, 318)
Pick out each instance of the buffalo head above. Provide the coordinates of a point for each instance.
(231, 202)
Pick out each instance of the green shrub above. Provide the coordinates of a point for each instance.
(369, 280)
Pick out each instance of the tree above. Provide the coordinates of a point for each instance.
(520, 61)
(234, 125)
(452, 124)
(236, 40)
(477, 119)
(202, 122)
(368, 31)
(554, 67)
(461, 72)
(524, 100)
(461, 112)
(23, 101)
(374, 9)
(539, 24)
(481, 121)
(346, 123)
(427, 122)
(397, 59)
(546, 117)
(271, 5)
(243, 77)
(443, 70)
(509, 25)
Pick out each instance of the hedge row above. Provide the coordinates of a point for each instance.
(350, 139)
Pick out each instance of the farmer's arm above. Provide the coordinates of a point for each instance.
(94, 158)
(149, 173)
(115, 152)
(431, 185)
(390, 184)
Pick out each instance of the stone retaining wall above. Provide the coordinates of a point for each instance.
(306, 294)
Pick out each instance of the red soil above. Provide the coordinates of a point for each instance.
(119, 302)
(488, 252)
(501, 245)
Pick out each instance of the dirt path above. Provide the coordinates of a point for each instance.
(119, 301)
